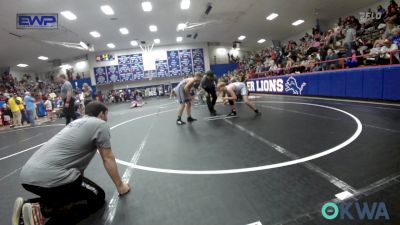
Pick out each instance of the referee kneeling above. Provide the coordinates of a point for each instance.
(55, 173)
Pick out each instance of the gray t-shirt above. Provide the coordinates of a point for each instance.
(207, 83)
(67, 86)
(350, 33)
(65, 156)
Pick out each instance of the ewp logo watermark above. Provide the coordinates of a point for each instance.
(364, 211)
(370, 15)
(37, 21)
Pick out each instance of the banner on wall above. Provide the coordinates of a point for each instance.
(131, 67)
(124, 59)
(198, 60)
(112, 74)
(100, 75)
(162, 68)
(283, 85)
(174, 67)
(185, 58)
(137, 66)
(150, 73)
(125, 72)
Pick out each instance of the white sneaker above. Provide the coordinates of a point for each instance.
(32, 214)
(16, 216)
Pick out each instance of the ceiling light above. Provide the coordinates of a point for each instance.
(241, 38)
(69, 15)
(181, 26)
(153, 28)
(298, 22)
(66, 66)
(344, 195)
(124, 30)
(272, 16)
(147, 7)
(261, 41)
(43, 58)
(110, 45)
(157, 41)
(185, 4)
(221, 51)
(134, 43)
(22, 65)
(179, 39)
(81, 64)
(83, 45)
(95, 34)
(107, 10)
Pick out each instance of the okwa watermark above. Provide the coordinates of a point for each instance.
(357, 210)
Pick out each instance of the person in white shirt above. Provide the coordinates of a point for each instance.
(386, 51)
(49, 107)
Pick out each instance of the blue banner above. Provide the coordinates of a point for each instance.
(125, 72)
(112, 74)
(198, 60)
(185, 58)
(174, 67)
(100, 75)
(367, 83)
(282, 85)
(137, 66)
(162, 68)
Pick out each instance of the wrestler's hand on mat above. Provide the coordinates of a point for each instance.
(123, 189)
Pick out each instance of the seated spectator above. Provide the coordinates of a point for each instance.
(260, 67)
(352, 62)
(385, 53)
(395, 36)
(331, 55)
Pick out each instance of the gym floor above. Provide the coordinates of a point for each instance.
(278, 168)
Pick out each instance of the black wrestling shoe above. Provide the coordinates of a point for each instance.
(190, 119)
(180, 122)
(213, 113)
(233, 113)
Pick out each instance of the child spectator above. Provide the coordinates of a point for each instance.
(49, 107)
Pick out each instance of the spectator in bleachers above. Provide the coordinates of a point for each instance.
(24, 117)
(16, 111)
(6, 115)
(385, 55)
(87, 93)
(331, 55)
(392, 17)
(395, 38)
(30, 108)
(381, 10)
(350, 38)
